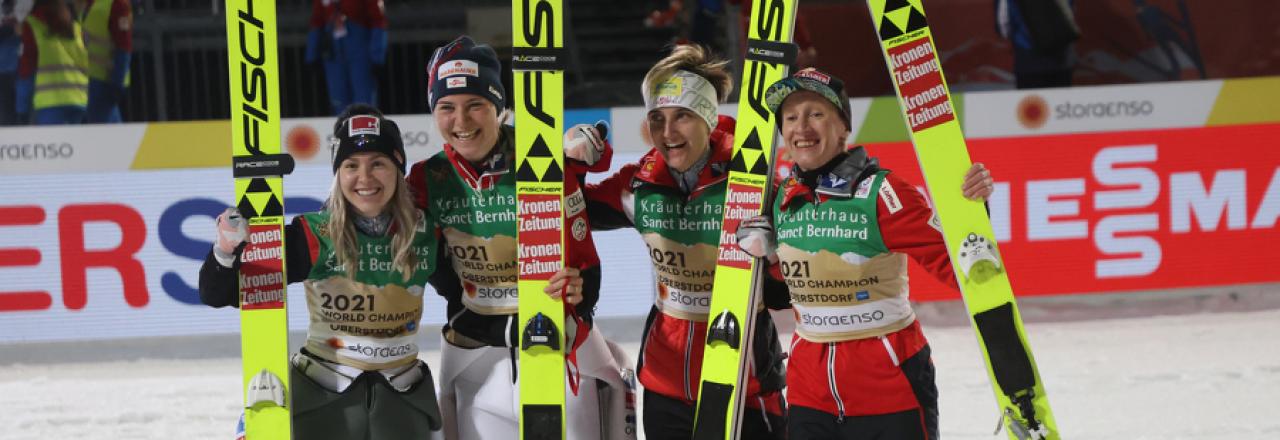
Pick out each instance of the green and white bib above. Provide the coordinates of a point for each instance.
(479, 226)
(369, 321)
(683, 237)
(845, 284)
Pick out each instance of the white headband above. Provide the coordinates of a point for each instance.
(686, 90)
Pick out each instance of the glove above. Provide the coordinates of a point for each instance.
(755, 237)
(232, 231)
(586, 143)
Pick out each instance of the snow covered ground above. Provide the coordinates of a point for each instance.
(1191, 376)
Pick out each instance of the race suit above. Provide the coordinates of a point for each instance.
(682, 234)
(358, 374)
(844, 234)
(475, 207)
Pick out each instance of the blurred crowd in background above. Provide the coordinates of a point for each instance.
(108, 61)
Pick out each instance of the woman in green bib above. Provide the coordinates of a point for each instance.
(673, 197)
(469, 190)
(364, 260)
(859, 366)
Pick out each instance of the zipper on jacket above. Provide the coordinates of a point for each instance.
(688, 356)
(831, 381)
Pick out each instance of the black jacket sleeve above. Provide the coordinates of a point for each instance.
(219, 286)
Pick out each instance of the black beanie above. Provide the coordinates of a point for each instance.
(362, 128)
(463, 66)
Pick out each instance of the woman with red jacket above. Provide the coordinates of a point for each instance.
(860, 366)
(673, 196)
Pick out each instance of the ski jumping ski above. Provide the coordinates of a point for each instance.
(931, 120)
(736, 289)
(258, 167)
(538, 62)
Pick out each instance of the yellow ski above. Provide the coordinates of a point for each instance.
(257, 166)
(984, 283)
(538, 64)
(736, 288)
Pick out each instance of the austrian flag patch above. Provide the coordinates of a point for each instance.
(362, 124)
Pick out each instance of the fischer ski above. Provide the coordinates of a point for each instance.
(538, 62)
(735, 295)
(926, 106)
(257, 166)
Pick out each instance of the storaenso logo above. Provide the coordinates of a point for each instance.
(533, 21)
(253, 78)
(769, 19)
(1112, 109)
(36, 151)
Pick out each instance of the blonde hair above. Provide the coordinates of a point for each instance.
(695, 59)
(341, 229)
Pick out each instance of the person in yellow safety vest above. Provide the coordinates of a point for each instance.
(10, 49)
(108, 38)
(52, 81)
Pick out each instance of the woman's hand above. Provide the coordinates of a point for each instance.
(566, 282)
(977, 183)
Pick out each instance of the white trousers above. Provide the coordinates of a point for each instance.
(479, 402)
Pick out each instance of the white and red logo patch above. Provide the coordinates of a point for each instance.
(890, 198)
(814, 75)
(456, 82)
(457, 67)
(363, 124)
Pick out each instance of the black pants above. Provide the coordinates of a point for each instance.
(369, 409)
(671, 419)
(811, 424)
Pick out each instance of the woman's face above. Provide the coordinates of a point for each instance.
(468, 123)
(368, 180)
(812, 129)
(679, 134)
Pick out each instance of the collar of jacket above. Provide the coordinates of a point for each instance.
(500, 161)
(653, 167)
(836, 178)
